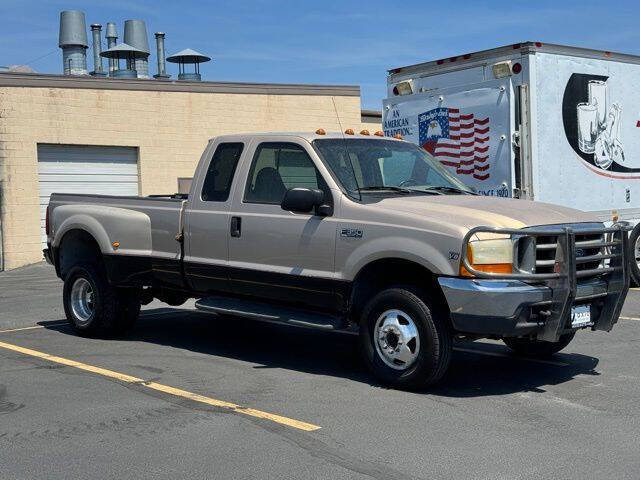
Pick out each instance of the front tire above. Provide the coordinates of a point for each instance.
(93, 307)
(403, 343)
(634, 242)
(535, 348)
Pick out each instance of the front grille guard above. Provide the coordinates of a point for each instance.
(563, 281)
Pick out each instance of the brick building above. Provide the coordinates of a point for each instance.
(133, 136)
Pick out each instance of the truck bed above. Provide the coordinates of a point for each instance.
(141, 227)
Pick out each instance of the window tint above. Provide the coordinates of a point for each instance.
(276, 168)
(217, 183)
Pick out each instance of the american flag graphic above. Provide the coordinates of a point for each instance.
(458, 140)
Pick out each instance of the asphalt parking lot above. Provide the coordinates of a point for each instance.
(300, 404)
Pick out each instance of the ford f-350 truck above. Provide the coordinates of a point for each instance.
(346, 232)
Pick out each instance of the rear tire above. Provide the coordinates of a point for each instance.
(634, 242)
(535, 348)
(403, 344)
(93, 307)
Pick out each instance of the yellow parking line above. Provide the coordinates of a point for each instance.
(164, 388)
(20, 329)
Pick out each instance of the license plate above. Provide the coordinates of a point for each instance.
(580, 316)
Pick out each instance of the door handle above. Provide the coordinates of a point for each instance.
(236, 226)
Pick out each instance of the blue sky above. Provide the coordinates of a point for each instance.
(347, 42)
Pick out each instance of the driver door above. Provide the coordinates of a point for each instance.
(276, 254)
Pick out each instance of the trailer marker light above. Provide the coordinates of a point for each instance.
(516, 46)
(467, 56)
(440, 62)
(320, 131)
(348, 131)
(538, 44)
(502, 69)
(115, 245)
(403, 88)
(517, 68)
(364, 132)
(453, 59)
(379, 133)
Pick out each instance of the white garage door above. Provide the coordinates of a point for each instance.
(85, 169)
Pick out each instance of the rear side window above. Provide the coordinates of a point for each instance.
(276, 168)
(217, 183)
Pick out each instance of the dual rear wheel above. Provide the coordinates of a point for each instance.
(94, 307)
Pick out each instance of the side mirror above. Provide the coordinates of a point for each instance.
(302, 200)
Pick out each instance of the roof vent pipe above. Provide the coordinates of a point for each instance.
(96, 29)
(112, 38)
(130, 54)
(135, 35)
(162, 66)
(73, 42)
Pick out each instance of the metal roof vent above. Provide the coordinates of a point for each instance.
(135, 34)
(73, 42)
(185, 57)
(96, 29)
(128, 53)
(111, 35)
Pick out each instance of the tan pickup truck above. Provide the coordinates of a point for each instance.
(360, 233)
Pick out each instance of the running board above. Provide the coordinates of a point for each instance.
(270, 313)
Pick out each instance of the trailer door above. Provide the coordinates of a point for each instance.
(466, 128)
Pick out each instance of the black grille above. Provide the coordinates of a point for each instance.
(590, 252)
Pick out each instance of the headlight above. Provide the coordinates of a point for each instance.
(489, 255)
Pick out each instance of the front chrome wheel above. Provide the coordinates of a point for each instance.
(82, 300)
(397, 339)
(636, 251)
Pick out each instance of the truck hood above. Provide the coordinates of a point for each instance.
(473, 210)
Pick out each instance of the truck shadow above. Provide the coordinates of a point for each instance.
(477, 369)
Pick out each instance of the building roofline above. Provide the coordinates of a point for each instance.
(44, 80)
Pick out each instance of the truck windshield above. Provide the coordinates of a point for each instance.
(367, 165)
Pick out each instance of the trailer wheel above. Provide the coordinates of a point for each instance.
(634, 242)
(403, 344)
(535, 348)
(93, 307)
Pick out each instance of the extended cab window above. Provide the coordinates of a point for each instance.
(276, 168)
(217, 183)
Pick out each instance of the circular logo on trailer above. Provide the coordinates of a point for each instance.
(592, 122)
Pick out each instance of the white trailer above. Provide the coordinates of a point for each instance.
(536, 121)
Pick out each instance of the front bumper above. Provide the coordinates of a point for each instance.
(540, 304)
(512, 308)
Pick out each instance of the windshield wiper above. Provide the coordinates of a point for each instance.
(443, 188)
(374, 188)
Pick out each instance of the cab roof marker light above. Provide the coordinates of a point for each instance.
(502, 69)
(348, 131)
(379, 133)
(364, 132)
(321, 131)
